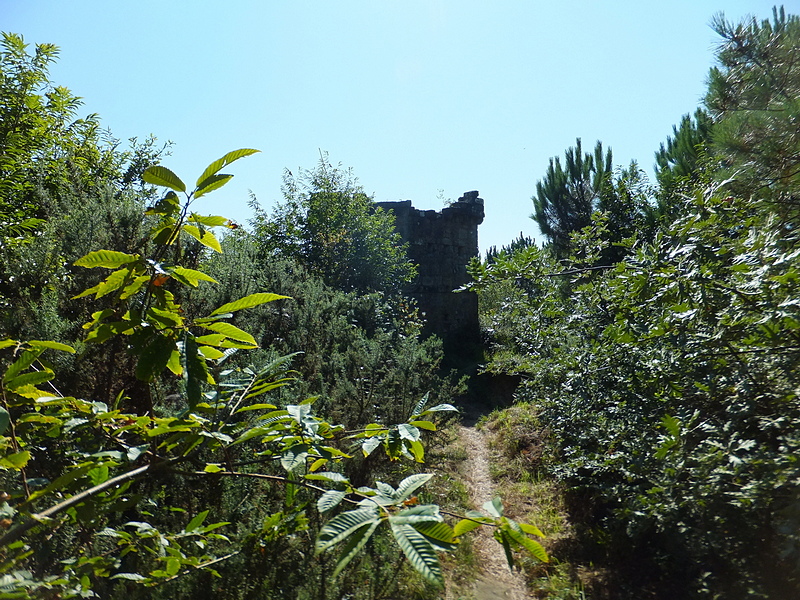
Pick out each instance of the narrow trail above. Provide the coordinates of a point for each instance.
(496, 581)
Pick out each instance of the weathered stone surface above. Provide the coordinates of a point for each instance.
(441, 244)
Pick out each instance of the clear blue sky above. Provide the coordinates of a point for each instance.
(415, 96)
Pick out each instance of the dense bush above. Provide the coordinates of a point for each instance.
(669, 380)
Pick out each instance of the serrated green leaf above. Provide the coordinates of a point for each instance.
(134, 286)
(427, 425)
(168, 205)
(16, 461)
(165, 233)
(438, 408)
(494, 507)
(196, 521)
(438, 534)
(410, 484)
(158, 175)
(205, 237)
(294, 458)
(190, 276)
(532, 546)
(154, 357)
(248, 302)
(369, 445)
(34, 378)
(221, 163)
(26, 359)
(108, 259)
(209, 220)
(330, 500)
(51, 345)
(112, 283)
(354, 544)
(165, 318)
(214, 339)
(465, 526)
(230, 331)
(417, 450)
(419, 552)
(531, 529)
(210, 353)
(174, 362)
(327, 476)
(342, 525)
(672, 425)
(261, 406)
(408, 432)
(7, 343)
(210, 184)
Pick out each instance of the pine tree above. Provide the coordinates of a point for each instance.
(567, 196)
(679, 159)
(754, 99)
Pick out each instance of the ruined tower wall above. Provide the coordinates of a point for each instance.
(441, 243)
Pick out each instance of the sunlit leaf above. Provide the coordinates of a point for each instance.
(294, 458)
(26, 379)
(221, 163)
(531, 529)
(209, 220)
(190, 276)
(26, 359)
(419, 552)
(370, 444)
(410, 484)
(494, 507)
(330, 500)
(230, 331)
(438, 534)
(16, 461)
(109, 259)
(158, 175)
(408, 432)
(210, 353)
(532, 546)
(248, 302)
(196, 521)
(465, 526)
(210, 184)
(343, 525)
(427, 425)
(355, 542)
(205, 237)
(52, 345)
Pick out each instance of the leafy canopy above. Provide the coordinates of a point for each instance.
(329, 225)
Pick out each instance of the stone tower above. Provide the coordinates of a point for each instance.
(441, 243)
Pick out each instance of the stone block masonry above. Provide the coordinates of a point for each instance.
(441, 243)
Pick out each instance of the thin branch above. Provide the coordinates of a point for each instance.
(17, 532)
(581, 270)
(200, 566)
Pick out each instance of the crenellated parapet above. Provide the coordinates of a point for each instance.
(441, 243)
